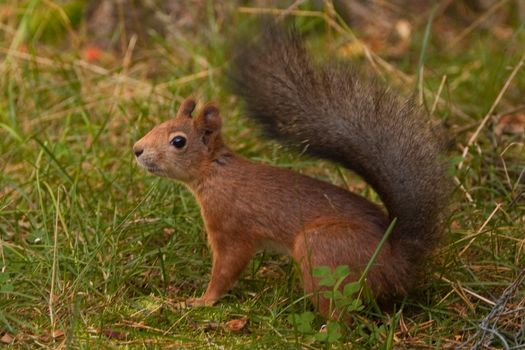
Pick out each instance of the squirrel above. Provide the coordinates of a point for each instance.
(329, 111)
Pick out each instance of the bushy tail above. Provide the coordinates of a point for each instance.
(331, 112)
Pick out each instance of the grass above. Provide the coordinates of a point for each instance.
(96, 253)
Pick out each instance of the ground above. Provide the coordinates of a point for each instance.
(95, 253)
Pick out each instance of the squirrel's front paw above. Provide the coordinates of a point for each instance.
(199, 302)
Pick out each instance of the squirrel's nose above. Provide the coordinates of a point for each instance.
(138, 151)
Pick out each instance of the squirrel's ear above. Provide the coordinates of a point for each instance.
(209, 123)
(186, 107)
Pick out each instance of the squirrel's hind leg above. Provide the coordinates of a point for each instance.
(335, 243)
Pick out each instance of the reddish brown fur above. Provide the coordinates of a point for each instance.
(248, 206)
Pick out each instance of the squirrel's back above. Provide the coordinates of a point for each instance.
(329, 111)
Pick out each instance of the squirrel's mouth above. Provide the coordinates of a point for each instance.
(155, 170)
(152, 168)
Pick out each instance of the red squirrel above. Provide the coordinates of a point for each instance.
(329, 111)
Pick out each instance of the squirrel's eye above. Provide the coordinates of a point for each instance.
(178, 141)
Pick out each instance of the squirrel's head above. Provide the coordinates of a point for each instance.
(184, 147)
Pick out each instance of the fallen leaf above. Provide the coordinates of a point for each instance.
(237, 324)
(111, 334)
(455, 225)
(24, 224)
(168, 231)
(403, 29)
(510, 124)
(6, 339)
(57, 333)
(92, 54)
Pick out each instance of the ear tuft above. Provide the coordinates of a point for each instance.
(209, 124)
(211, 117)
(186, 108)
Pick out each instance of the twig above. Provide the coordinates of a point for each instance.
(480, 230)
(54, 266)
(493, 317)
(480, 297)
(474, 137)
(462, 188)
(462, 289)
(438, 94)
